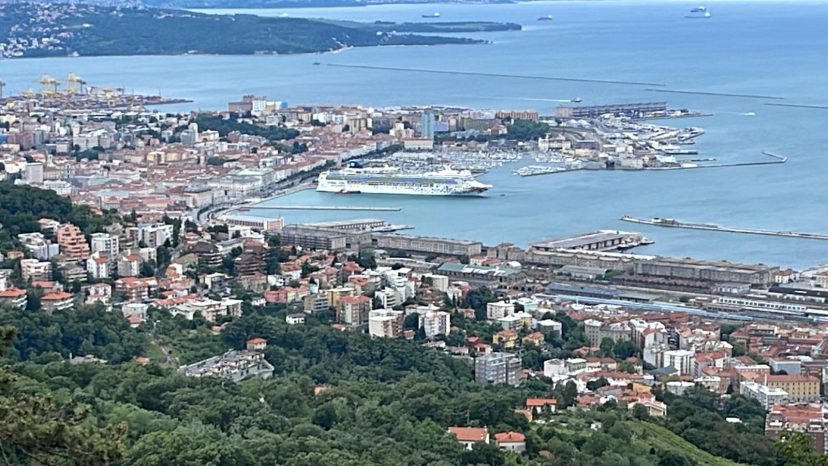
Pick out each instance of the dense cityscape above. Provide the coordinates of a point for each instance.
(136, 262)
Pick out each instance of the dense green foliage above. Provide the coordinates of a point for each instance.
(208, 121)
(100, 30)
(527, 130)
(385, 401)
(21, 206)
(39, 428)
(699, 417)
(43, 336)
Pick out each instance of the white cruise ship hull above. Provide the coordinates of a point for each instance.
(386, 180)
(351, 188)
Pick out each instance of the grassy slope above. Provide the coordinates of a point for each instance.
(661, 437)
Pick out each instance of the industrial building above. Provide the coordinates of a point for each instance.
(428, 245)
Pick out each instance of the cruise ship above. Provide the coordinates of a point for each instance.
(390, 180)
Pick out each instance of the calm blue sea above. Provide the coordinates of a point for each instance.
(768, 48)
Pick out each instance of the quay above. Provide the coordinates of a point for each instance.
(496, 75)
(716, 94)
(672, 223)
(324, 207)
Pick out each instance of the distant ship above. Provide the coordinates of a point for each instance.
(433, 15)
(545, 18)
(576, 99)
(699, 12)
(390, 180)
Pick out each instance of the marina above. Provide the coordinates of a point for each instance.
(672, 223)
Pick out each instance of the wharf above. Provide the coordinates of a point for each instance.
(325, 207)
(671, 223)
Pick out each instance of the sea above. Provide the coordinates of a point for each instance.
(775, 49)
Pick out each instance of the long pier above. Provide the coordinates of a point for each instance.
(716, 94)
(671, 223)
(811, 106)
(497, 75)
(323, 207)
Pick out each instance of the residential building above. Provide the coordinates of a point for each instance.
(800, 388)
(98, 266)
(35, 270)
(136, 289)
(37, 244)
(104, 242)
(98, 293)
(210, 309)
(129, 264)
(809, 419)
(435, 323)
(681, 360)
(72, 242)
(499, 309)
(295, 319)
(550, 327)
(14, 297)
(353, 310)
(152, 235)
(57, 301)
(235, 365)
(767, 396)
(497, 367)
(514, 442)
(385, 323)
(468, 436)
(505, 338)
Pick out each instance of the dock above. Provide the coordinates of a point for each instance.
(672, 223)
(324, 207)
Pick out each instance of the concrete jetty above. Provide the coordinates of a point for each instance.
(672, 223)
(811, 106)
(497, 75)
(716, 94)
(324, 207)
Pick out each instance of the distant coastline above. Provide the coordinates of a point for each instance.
(36, 30)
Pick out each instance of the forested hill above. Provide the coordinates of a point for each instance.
(42, 29)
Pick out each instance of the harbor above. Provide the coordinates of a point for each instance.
(672, 223)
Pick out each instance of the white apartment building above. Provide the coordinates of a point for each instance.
(435, 323)
(104, 242)
(681, 360)
(499, 310)
(385, 323)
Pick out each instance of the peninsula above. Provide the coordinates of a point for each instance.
(35, 29)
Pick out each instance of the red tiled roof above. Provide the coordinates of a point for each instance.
(469, 434)
(57, 296)
(510, 437)
(536, 402)
(12, 293)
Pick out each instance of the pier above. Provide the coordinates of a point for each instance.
(671, 223)
(324, 207)
(497, 75)
(716, 94)
(811, 106)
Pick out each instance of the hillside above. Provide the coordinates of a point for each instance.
(40, 29)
